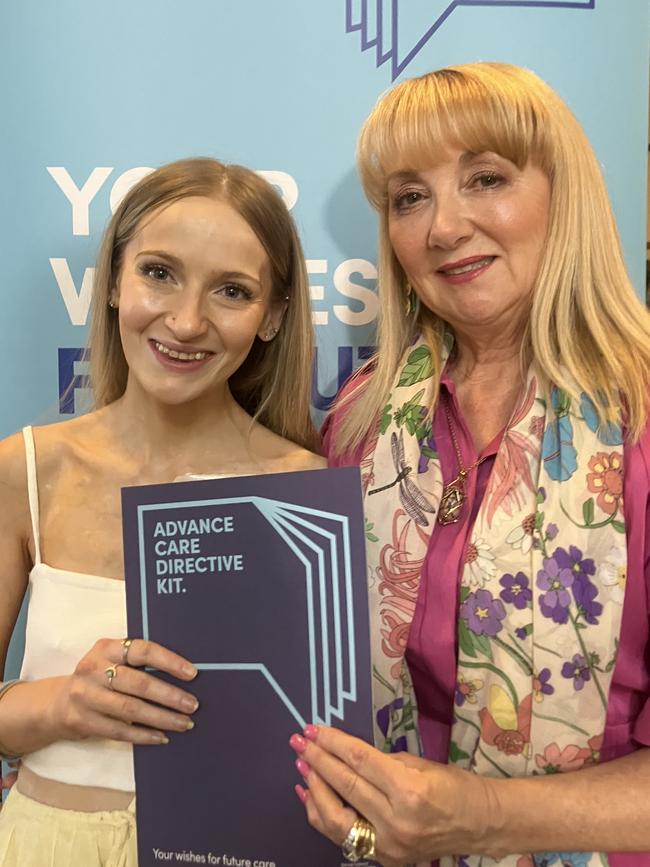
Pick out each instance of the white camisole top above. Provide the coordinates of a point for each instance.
(67, 613)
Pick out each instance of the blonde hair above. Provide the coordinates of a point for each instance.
(273, 384)
(588, 331)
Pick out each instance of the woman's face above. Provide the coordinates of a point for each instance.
(193, 293)
(469, 235)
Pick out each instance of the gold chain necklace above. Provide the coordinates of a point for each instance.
(453, 493)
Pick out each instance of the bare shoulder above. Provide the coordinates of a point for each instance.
(60, 444)
(280, 455)
(302, 459)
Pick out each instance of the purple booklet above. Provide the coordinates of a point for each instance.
(260, 581)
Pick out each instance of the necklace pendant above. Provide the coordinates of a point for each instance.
(451, 502)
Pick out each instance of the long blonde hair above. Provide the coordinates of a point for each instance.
(273, 384)
(588, 331)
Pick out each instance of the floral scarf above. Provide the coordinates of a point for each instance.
(541, 591)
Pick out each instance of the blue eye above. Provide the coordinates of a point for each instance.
(156, 272)
(235, 292)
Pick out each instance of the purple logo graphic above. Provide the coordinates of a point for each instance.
(378, 22)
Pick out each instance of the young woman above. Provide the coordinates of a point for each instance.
(201, 350)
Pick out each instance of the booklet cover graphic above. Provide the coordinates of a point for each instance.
(261, 582)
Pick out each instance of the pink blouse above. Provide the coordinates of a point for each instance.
(432, 646)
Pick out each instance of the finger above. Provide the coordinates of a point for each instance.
(367, 762)
(8, 780)
(131, 709)
(325, 811)
(328, 815)
(99, 725)
(351, 785)
(133, 681)
(148, 654)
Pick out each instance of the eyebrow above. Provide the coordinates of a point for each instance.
(408, 174)
(178, 263)
(402, 175)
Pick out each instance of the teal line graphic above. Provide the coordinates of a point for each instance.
(276, 522)
(260, 667)
(313, 666)
(378, 22)
(344, 691)
(345, 536)
(289, 521)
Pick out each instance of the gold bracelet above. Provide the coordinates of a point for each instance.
(5, 755)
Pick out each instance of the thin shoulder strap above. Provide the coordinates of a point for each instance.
(32, 489)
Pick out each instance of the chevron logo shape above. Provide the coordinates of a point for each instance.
(388, 25)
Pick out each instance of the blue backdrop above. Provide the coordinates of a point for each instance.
(96, 93)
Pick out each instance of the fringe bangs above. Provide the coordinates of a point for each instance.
(485, 109)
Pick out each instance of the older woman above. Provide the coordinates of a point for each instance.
(502, 429)
(201, 354)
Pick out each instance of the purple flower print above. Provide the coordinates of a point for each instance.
(521, 633)
(555, 580)
(483, 613)
(557, 614)
(466, 690)
(541, 685)
(383, 714)
(427, 450)
(578, 670)
(383, 721)
(515, 590)
(572, 559)
(551, 531)
(585, 594)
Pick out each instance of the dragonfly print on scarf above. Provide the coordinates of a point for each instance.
(411, 497)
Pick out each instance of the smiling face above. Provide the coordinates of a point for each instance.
(194, 291)
(469, 234)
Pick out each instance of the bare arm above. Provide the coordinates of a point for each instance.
(604, 808)
(79, 705)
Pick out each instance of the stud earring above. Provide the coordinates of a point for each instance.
(112, 304)
(271, 332)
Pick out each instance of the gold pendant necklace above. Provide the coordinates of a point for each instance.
(453, 493)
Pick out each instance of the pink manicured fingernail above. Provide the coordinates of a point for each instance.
(310, 732)
(302, 794)
(303, 767)
(297, 743)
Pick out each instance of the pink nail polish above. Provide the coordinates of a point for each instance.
(303, 767)
(297, 743)
(302, 794)
(310, 732)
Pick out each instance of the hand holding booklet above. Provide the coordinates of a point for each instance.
(261, 582)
